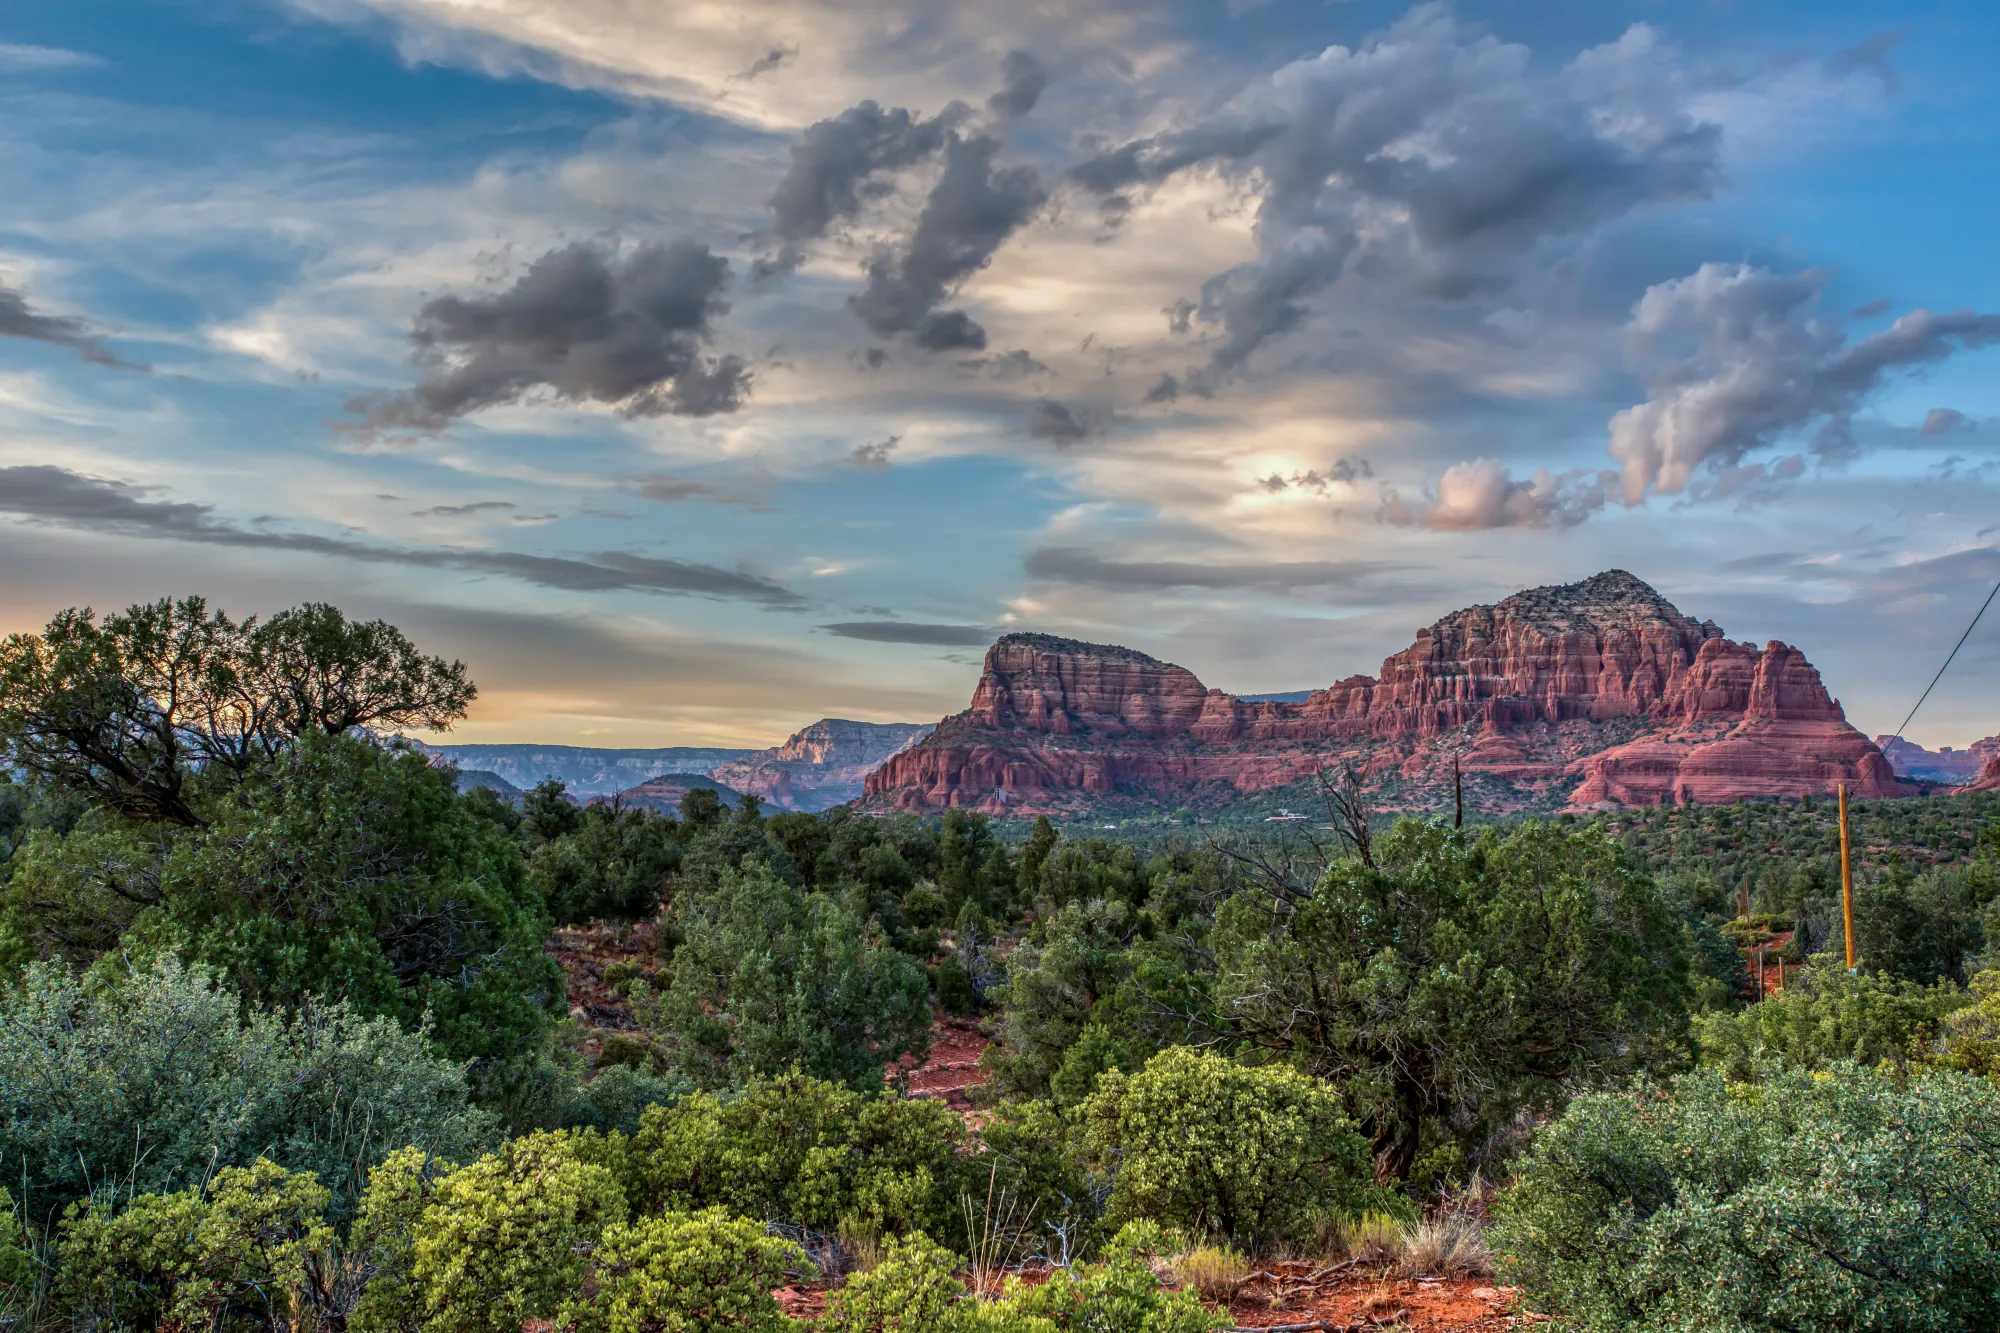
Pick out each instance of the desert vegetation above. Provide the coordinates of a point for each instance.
(284, 1044)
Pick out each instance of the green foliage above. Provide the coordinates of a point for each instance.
(228, 1256)
(1058, 986)
(1838, 1200)
(809, 1153)
(687, 1273)
(913, 1289)
(150, 1079)
(1824, 1015)
(1969, 1039)
(1459, 979)
(383, 1239)
(1036, 1156)
(768, 977)
(611, 865)
(498, 1243)
(1255, 1157)
(17, 1263)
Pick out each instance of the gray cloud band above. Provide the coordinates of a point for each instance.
(905, 632)
(54, 495)
(20, 320)
(1064, 564)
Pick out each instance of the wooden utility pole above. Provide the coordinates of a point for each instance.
(1457, 795)
(1846, 880)
(1781, 971)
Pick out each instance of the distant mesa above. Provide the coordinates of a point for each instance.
(664, 792)
(474, 779)
(1946, 765)
(1988, 777)
(1599, 694)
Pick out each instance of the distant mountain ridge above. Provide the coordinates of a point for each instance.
(585, 771)
(1595, 693)
(1946, 765)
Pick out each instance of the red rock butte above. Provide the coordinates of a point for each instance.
(1591, 694)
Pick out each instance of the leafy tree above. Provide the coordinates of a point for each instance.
(687, 1273)
(1969, 1039)
(383, 1240)
(504, 1239)
(768, 977)
(1255, 1157)
(613, 864)
(1825, 1015)
(153, 1079)
(136, 709)
(1458, 979)
(1834, 1200)
(548, 811)
(1056, 987)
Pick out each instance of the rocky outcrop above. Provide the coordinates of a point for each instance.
(1988, 777)
(1945, 765)
(821, 766)
(1592, 693)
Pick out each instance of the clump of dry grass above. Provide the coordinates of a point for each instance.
(1370, 1238)
(1214, 1272)
(1447, 1245)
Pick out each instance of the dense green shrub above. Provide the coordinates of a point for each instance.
(809, 1153)
(687, 1273)
(1843, 1199)
(216, 1258)
(1035, 1158)
(1826, 1014)
(611, 864)
(152, 1079)
(914, 1288)
(768, 978)
(17, 1263)
(383, 1240)
(1969, 1037)
(498, 1242)
(1255, 1157)
(1459, 980)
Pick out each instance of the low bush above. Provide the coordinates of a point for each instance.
(1843, 1199)
(154, 1078)
(1121, 1293)
(809, 1153)
(1448, 1245)
(501, 1240)
(913, 1289)
(1969, 1038)
(1255, 1157)
(686, 1273)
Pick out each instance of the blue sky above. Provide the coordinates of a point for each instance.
(695, 373)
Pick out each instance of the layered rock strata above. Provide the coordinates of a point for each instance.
(1595, 693)
(822, 766)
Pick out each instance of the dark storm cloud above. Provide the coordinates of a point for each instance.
(836, 168)
(1734, 357)
(1022, 80)
(586, 321)
(898, 631)
(68, 499)
(973, 208)
(1065, 564)
(1052, 420)
(1432, 158)
(770, 60)
(18, 319)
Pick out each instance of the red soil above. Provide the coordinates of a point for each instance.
(950, 1069)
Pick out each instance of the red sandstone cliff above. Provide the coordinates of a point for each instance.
(1988, 779)
(1594, 692)
(821, 766)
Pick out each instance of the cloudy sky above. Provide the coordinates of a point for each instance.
(695, 371)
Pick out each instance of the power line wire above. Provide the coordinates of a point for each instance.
(1947, 661)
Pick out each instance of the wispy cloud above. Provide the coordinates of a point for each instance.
(903, 631)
